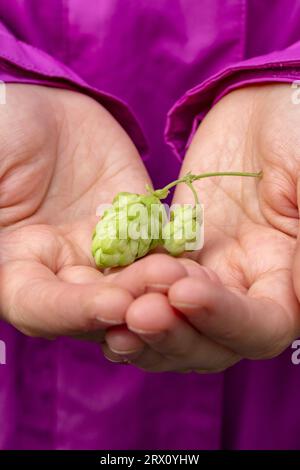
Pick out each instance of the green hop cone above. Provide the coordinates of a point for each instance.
(182, 233)
(128, 230)
(136, 223)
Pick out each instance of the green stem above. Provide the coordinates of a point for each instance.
(190, 178)
(190, 185)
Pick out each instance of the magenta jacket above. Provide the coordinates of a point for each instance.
(158, 66)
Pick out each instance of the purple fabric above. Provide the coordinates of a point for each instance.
(63, 394)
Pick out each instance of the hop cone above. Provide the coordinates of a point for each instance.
(182, 233)
(128, 230)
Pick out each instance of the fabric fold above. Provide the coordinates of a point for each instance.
(22, 63)
(186, 114)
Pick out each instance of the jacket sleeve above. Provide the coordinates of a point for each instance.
(185, 116)
(22, 63)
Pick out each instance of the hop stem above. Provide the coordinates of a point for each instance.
(189, 178)
(190, 185)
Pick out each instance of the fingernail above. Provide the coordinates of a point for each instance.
(125, 353)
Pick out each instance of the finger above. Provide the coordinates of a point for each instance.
(253, 325)
(120, 338)
(80, 274)
(194, 269)
(147, 359)
(121, 341)
(156, 322)
(39, 304)
(123, 345)
(83, 275)
(156, 272)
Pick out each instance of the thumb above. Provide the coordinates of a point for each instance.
(37, 303)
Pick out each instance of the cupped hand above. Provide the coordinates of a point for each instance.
(239, 301)
(62, 156)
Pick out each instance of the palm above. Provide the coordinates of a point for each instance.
(251, 226)
(63, 155)
(74, 156)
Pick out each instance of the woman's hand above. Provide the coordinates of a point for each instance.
(62, 155)
(240, 300)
